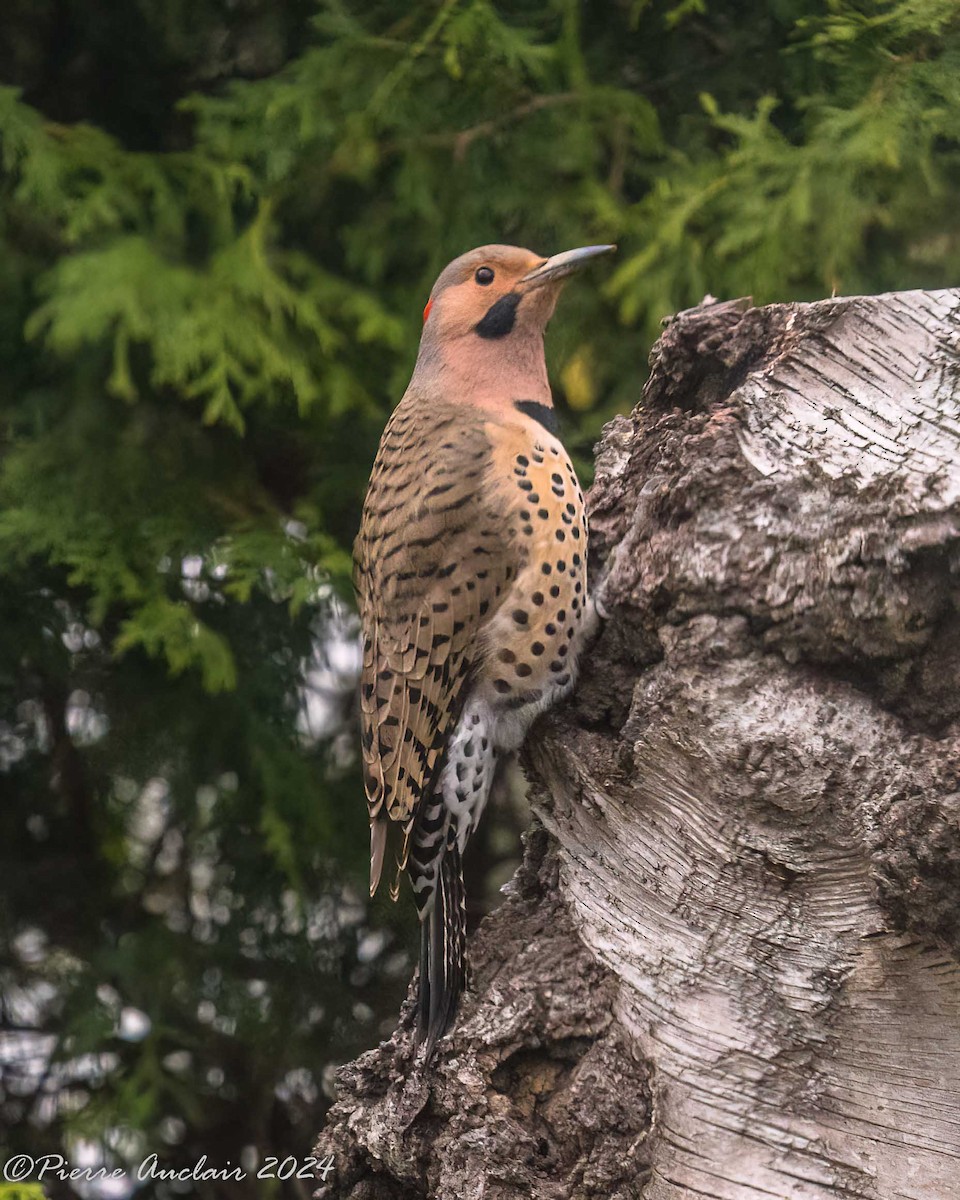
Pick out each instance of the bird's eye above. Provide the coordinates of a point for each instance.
(484, 276)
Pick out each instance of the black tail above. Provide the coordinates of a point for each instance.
(443, 951)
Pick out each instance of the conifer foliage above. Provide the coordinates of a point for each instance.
(218, 227)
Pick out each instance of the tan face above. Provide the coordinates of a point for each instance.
(492, 293)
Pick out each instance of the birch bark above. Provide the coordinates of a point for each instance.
(729, 965)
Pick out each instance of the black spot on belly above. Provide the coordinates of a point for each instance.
(500, 318)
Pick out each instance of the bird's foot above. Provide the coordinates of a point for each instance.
(600, 605)
(602, 600)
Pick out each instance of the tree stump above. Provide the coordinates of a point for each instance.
(728, 967)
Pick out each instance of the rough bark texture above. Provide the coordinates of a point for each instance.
(729, 966)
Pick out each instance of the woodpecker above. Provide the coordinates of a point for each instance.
(471, 577)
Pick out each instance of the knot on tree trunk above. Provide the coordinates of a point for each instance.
(731, 970)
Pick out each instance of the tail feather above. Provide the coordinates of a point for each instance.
(378, 846)
(443, 945)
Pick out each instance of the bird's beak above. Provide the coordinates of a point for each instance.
(561, 265)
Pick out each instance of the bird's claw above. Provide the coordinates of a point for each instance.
(603, 605)
(600, 604)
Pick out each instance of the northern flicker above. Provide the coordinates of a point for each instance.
(470, 569)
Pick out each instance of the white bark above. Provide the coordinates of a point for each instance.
(753, 806)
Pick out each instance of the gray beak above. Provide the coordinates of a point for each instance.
(561, 265)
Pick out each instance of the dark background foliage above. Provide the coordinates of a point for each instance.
(219, 222)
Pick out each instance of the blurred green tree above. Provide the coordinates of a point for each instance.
(219, 223)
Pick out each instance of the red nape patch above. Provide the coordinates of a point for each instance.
(426, 311)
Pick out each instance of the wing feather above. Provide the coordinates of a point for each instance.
(432, 560)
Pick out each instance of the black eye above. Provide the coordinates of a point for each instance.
(484, 276)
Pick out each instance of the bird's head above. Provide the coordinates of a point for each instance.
(483, 324)
(498, 292)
